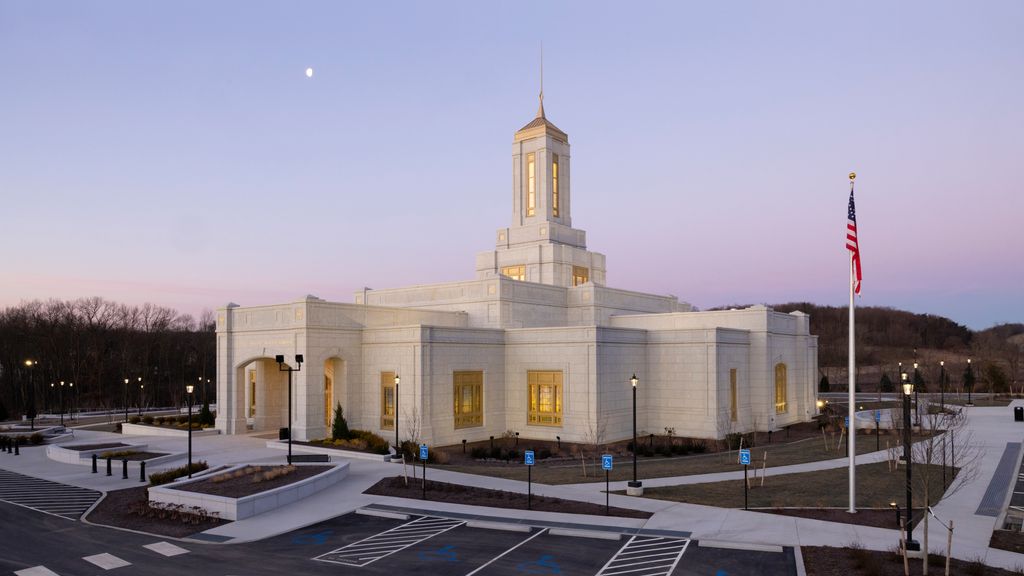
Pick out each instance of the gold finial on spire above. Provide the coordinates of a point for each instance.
(540, 110)
(853, 175)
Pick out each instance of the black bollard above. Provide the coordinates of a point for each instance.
(142, 471)
(124, 469)
(93, 463)
(463, 445)
(108, 466)
(16, 452)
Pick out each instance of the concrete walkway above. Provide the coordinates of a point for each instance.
(991, 430)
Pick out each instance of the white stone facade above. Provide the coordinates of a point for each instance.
(704, 374)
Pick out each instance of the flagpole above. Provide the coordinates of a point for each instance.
(852, 386)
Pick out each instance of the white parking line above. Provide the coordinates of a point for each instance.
(378, 546)
(646, 556)
(506, 552)
(166, 548)
(36, 571)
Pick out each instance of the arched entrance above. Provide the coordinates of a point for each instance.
(265, 390)
(334, 389)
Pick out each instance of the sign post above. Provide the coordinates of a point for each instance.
(745, 460)
(606, 463)
(878, 419)
(846, 421)
(529, 479)
(423, 458)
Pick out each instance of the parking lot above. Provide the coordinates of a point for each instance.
(360, 544)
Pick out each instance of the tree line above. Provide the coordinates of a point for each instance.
(92, 345)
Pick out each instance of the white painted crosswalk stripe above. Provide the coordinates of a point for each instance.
(646, 556)
(36, 571)
(106, 561)
(378, 546)
(166, 548)
(46, 496)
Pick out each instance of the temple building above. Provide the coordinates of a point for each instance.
(537, 344)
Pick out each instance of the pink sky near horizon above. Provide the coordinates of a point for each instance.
(177, 154)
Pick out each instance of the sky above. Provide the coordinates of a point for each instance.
(176, 152)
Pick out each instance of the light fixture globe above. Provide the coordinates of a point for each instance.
(634, 380)
(908, 388)
(189, 388)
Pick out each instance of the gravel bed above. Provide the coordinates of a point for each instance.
(245, 486)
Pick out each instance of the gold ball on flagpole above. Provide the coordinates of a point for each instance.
(853, 175)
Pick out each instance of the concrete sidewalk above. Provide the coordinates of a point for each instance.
(991, 429)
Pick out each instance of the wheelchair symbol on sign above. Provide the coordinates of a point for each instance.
(545, 565)
(446, 553)
(318, 538)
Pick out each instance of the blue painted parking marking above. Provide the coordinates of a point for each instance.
(446, 553)
(544, 565)
(318, 538)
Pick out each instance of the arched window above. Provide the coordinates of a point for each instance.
(531, 185)
(554, 185)
(780, 388)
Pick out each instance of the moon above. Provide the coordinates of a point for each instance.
(309, 72)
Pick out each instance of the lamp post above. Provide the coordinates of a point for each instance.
(916, 385)
(31, 407)
(126, 400)
(942, 385)
(71, 411)
(284, 368)
(188, 401)
(969, 381)
(635, 487)
(398, 380)
(49, 400)
(907, 388)
(141, 386)
(61, 403)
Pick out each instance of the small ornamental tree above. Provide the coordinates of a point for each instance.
(885, 384)
(823, 385)
(206, 416)
(339, 430)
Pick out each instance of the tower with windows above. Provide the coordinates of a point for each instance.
(541, 245)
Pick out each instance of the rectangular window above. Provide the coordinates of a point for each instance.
(732, 394)
(554, 185)
(780, 388)
(545, 397)
(468, 391)
(252, 393)
(580, 275)
(387, 400)
(531, 185)
(515, 272)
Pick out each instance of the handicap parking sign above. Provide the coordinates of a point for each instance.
(529, 457)
(606, 461)
(846, 421)
(878, 416)
(744, 456)
(423, 451)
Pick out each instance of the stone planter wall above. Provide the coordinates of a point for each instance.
(147, 430)
(245, 507)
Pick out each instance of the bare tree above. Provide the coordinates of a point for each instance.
(949, 444)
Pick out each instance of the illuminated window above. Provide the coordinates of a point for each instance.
(328, 400)
(387, 400)
(468, 399)
(580, 275)
(531, 186)
(515, 272)
(252, 393)
(545, 398)
(780, 388)
(554, 185)
(732, 394)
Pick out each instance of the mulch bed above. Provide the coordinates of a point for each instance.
(83, 447)
(863, 517)
(244, 485)
(829, 561)
(473, 496)
(137, 456)
(121, 508)
(1007, 540)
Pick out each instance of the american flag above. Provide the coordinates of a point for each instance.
(851, 241)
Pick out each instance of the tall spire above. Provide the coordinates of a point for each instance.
(540, 110)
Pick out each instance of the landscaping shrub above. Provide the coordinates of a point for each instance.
(496, 453)
(3, 412)
(134, 419)
(159, 478)
(697, 446)
(36, 439)
(478, 453)
(374, 443)
(206, 418)
(183, 419)
(159, 420)
(543, 454)
(339, 430)
(147, 419)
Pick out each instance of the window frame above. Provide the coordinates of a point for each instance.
(387, 385)
(531, 184)
(781, 388)
(554, 185)
(535, 416)
(472, 380)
